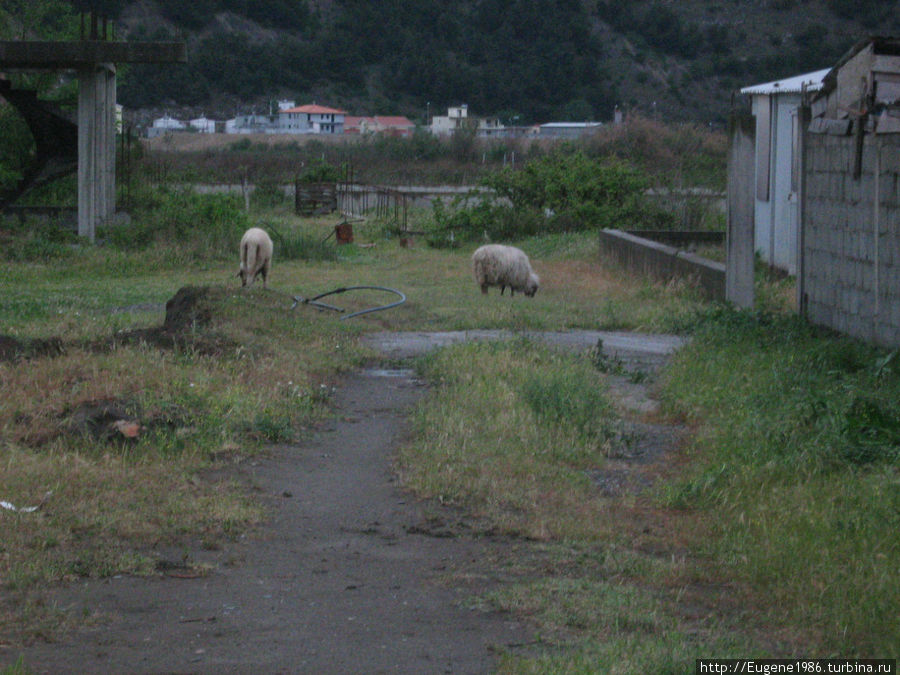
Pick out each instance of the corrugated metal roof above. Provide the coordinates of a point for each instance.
(571, 125)
(790, 85)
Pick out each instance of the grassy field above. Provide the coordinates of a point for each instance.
(772, 530)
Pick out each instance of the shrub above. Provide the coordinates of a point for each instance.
(34, 240)
(487, 220)
(560, 192)
(194, 225)
(322, 172)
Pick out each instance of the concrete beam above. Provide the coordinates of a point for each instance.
(75, 55)
(96, 147)
(740, 248)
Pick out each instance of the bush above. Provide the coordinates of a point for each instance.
(38, 240)
(604, 190)
(486, 220)
(194, 225)
(323, 172)
(559, 192)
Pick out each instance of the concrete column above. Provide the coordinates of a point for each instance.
(739, 272)
(96, 147)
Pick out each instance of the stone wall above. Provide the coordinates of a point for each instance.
(850, 244)
(662, 262)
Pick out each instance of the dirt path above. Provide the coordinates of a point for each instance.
(344, 579)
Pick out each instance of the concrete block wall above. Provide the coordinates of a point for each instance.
(850, 265)
(662, 262)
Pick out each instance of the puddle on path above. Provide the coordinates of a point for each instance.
(407, 373)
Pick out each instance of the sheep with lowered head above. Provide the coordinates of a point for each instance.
(256, 256)
(499, 265)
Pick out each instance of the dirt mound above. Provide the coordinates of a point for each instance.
(13, 349)
(189, 308)
(189, 314)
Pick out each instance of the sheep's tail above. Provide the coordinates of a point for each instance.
(248, 262)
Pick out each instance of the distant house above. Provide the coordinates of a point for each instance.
(165, 124)
(249, 124)
(458, 118)
(777, 209)
(310, 119)
(490, 126)
(204, 125)
(379, 124)
(567, 129)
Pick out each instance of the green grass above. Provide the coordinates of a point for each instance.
(772, 534)
(17, 668)
(512, 433)
(221, 392)
(779, 521)
(797, 449)
(509, 434)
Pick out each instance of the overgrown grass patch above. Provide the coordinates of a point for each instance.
(797, 453)
(509, 450)
(512, 434)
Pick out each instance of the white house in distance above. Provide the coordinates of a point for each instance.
(777, 207)
(165, 124)
(310, 119)
(458, 118)
(387, 125)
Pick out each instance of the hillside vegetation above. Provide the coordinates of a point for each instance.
(521, 60)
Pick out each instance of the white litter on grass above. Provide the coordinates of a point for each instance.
(26, 509)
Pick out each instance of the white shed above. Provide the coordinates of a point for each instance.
(777, 208)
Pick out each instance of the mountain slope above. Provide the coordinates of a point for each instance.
(522, 60)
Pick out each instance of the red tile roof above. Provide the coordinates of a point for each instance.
(396, 121)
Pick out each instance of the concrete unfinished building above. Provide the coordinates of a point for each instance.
(85, 141)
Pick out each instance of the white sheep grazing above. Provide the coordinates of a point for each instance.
(499, 265)
(256, 256)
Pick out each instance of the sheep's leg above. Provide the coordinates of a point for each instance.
(265, 273)
(242, 272)
(484, 288)
(502, 288)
